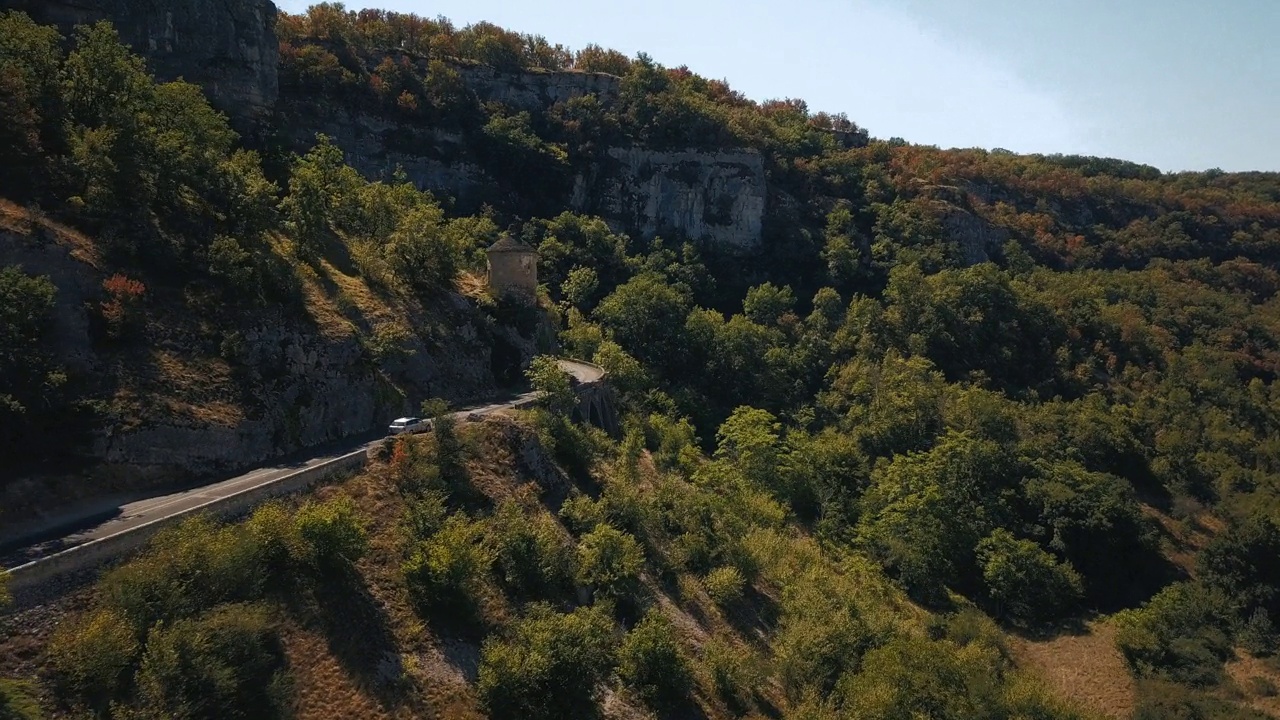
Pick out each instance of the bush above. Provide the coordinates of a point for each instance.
(187, 570)
(334, 531)
(734, 671)
(445, 573)
(725, 585)
(582, 514)
(610, 561)
(92, 659)
(1181, 634)
(5, 596)
(277, 541)
(227, 664)
(434, 407)
(17, 701)
(548, 666)
(530, 553)
(1025, 583)
(651, 663)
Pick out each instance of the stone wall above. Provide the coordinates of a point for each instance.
(513, 272)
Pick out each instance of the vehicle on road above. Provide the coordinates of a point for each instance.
(409, 425)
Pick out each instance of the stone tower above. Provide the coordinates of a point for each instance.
(513, 267)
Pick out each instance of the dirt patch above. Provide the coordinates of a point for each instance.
(1258, 680)
(1086, 669)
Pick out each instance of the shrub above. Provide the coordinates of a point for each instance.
(1180, 635)
(92, 658)
(5, 596)
(227, 664)
(725, 585)
(734, 671)
(530, 554)
(119, 310)
(277, 541)
(334, 531)
(610, 561)
(444, 573)
(187, 570)
(651, 663)
(17, 701)
(1024, 582)
(434, 407)
(548, 666)
(582, 514)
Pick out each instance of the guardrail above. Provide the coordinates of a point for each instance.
(26, 581)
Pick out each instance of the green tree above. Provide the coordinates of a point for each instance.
(766, 304)
(548, 665)
(30, 100)
(424, 256)
(530, 554)
(323, 193)
(229, 663)
(749, 439)
(644, 316)
(1024, 582)
(445, 573)
(650, 662)
(107, 92)
(547, 377)
(610, 561)
(334, 530)
(925, 513)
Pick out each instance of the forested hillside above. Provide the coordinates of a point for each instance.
(949, 407)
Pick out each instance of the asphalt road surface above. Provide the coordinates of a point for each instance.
(133, 514)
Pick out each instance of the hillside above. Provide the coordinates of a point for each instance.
(909, 432)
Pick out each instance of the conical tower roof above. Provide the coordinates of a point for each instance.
(508, 243)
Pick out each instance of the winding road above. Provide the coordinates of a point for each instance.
(132, 515)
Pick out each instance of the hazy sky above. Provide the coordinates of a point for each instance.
(1179, 84)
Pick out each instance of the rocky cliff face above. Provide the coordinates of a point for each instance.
(536, 90)
(716, 199)
(227, 46)
(177, 404)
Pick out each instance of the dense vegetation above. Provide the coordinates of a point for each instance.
(953, 387)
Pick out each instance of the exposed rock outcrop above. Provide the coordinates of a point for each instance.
(713, 198)
(431, 158)
(536, 90)
(229, 46)
(974, 236)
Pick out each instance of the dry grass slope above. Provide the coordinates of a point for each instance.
(1085, 668)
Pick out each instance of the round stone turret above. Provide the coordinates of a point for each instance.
(513, 267)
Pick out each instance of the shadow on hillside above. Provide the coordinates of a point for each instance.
(755, 615)
(1069, 627)
(359, 635)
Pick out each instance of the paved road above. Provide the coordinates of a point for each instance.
(133, 514)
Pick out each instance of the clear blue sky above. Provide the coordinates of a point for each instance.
(1179, 84)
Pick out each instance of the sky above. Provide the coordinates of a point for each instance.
(1178, 84)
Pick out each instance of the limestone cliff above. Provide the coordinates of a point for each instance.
(211, 390)
(227, 46)
(536, 90)
(717, 199)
